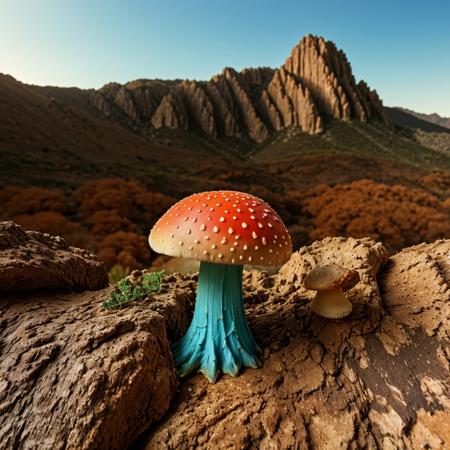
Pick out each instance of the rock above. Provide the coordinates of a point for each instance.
(171, 112)
(75, 376)
(377, 379)
(30, 261)
(315, 81)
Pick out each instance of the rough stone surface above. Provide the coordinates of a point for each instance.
(315, 81)
(75, 376)
(30, 260)
(377, 379)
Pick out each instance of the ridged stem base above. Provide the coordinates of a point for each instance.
(219, 338)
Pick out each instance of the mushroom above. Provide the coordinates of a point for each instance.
(224, 230)
(331, 281)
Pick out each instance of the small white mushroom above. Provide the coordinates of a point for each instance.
(330, 282)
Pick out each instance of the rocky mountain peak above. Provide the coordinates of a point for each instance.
(315, 81)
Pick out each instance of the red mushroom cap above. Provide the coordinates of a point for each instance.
(225, 227)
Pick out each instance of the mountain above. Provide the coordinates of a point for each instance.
(405, 118)
(432, 118)
(315, 82)
(181, 136)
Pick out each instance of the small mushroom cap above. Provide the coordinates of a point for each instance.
(324, 277)
(225, 227)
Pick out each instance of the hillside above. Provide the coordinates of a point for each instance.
(431, 118)
(138, 147)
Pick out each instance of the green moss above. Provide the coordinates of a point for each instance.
(125, 293)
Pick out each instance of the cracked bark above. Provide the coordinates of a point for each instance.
(377, 379)
(75, 376)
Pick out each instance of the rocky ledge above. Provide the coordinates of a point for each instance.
(76, 376)
(30, 260)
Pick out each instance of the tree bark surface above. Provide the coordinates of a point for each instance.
(376, 379)
(73, 375)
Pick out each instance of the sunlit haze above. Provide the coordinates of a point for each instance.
(400, 48)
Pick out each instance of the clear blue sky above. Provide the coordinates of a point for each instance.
(401, 48)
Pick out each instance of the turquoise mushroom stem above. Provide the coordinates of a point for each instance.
(219, 339)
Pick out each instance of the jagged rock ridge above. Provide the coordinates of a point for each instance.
(316, 80)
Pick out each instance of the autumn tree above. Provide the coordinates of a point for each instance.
(127, 249)
(19, 201)
(397, 215)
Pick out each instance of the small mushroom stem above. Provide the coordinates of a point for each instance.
(331, 304)
(219, 338)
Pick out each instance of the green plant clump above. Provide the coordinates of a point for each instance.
(126, 293)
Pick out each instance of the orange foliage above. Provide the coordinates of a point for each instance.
(154, 205)
(107, 222)
(17, 201)
(108, 194)
(127, 249)
(396, 215)
(128, 198)
(56, 224)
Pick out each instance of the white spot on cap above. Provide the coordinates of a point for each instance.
(256, 247)
(214, 246)
(186, 219)
(224, 240)
(269, 224)
(172, 235)
(234, 218)
(222, 219)
(251, 210)
(230, 230)
(238, 210)
(252, 217)
(197, 241)
(264, 240)
(189, 231)
(249, 258)
(194, 219)
(245, 247)
(203, 227)
(216, 229)
(220, 255)
(180, 243)
(190, 247)
(244, 225)
(231, 249)
(254, 235)
(260, 225)
(205, 252)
